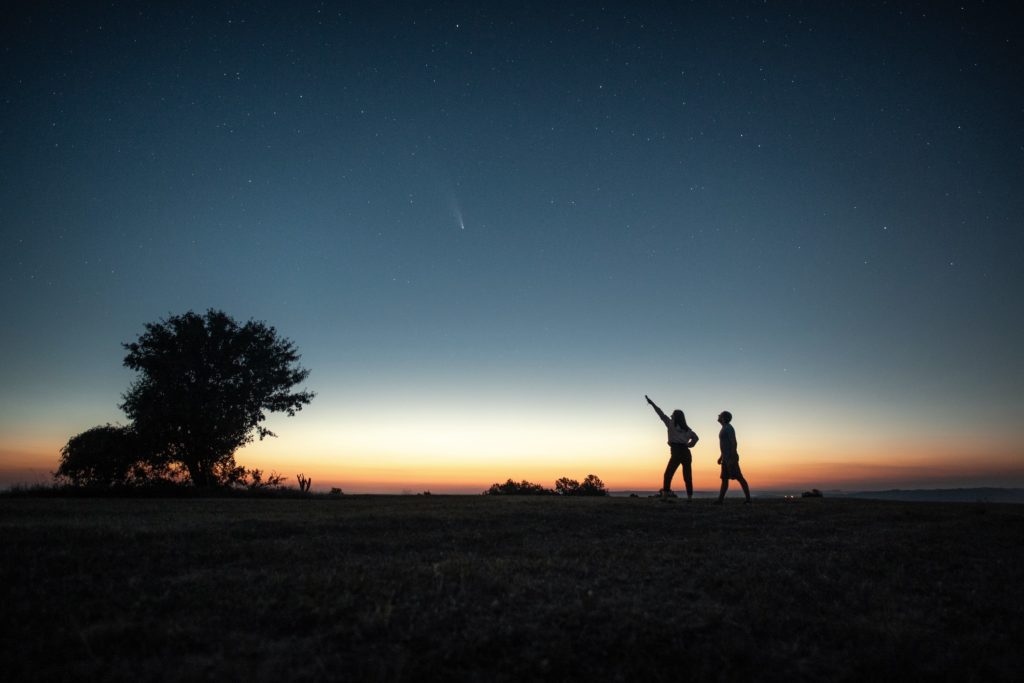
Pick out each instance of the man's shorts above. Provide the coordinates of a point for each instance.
(731, 470)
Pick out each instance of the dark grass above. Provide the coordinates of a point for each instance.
(508, 588)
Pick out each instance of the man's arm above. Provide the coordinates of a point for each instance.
(729, 443)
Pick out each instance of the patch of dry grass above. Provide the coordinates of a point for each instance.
(508, 588)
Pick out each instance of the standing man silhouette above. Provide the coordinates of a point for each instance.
(680, 440)
(730, 458)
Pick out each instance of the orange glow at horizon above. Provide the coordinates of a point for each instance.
(631, 462)
(368, 453)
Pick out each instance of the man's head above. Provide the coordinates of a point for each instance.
(725, 417)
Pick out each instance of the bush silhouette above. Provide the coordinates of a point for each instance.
(518, 488)
(591, 486)
(108, 455)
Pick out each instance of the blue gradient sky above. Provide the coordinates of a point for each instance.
(492, 229)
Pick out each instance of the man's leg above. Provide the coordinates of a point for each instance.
(725, 487)
(746, 489)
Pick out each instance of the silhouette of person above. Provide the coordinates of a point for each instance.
(680, 440)
(730, 458)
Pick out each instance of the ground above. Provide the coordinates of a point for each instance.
(508, 588)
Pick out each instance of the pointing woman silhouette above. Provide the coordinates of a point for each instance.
(680, 440)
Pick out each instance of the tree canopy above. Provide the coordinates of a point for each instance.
(205, 386)
(107, 455)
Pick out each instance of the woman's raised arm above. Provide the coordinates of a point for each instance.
(656, 408)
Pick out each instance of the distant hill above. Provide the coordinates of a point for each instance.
(983, 495)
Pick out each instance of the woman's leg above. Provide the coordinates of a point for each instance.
(688, 478)
(670, 470)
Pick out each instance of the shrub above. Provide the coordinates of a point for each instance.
(109, 455)
(518, 488)
(254, 481)
(591, 486)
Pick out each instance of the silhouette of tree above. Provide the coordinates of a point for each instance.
(205, 386)
(517, 488)
(591, 486)
(107, 455)
(566, 486)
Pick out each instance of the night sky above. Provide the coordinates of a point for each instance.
(491, 228)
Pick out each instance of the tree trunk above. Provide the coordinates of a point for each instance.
(199, 476)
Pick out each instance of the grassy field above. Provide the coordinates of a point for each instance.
(508, 588)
